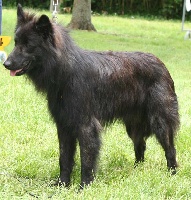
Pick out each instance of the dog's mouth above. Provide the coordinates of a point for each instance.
(21, 71)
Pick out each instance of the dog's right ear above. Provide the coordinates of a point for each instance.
(43, 26)
(20, 15)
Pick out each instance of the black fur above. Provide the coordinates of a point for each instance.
(87, 90)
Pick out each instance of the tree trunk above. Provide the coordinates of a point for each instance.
(81, 16)
(122, 7)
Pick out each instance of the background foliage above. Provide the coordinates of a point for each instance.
(162, 8)
(41, 4)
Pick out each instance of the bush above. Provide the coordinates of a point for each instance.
(161, 8)
(41, 4)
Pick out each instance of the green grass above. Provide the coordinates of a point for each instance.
(28, 140)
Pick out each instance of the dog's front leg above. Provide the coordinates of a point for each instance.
(67, 147)
(89, 149)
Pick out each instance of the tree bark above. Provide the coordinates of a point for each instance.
(81, 16)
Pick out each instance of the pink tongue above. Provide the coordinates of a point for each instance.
(13, 72)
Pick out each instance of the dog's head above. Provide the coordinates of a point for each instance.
(30, 35)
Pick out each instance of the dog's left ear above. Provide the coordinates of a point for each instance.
(20, 15)
(43, 26)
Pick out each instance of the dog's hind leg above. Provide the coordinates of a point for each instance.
(89, 142)
(164, 120)
(137, 136)
(165, 136)
(67, 147)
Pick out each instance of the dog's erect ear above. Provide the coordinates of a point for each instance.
(43, 26)
(20, 14)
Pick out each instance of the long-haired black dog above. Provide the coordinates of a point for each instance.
(87, 90)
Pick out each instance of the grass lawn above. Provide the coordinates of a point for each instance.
(28, 139)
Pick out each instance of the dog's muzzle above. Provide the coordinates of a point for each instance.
(17, 72)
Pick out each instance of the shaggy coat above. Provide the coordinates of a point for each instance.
(87, 90)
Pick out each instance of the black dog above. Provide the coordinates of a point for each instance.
(87, 90)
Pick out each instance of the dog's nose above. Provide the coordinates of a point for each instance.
(7, 64)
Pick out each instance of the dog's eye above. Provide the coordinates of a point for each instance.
(21, 48)
(29, 45)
